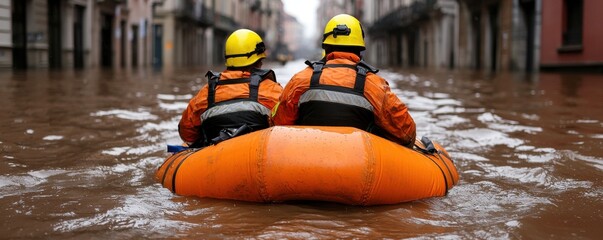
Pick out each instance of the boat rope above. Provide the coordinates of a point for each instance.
(441, 170)
(176, 171)
(167, 168)
(447, 168)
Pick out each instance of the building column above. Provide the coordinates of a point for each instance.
(209, 53)
(6, 38)
(169, 37)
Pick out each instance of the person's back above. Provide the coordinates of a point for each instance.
(239, 98)
(342, 90)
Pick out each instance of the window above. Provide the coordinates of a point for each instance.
(572, 25)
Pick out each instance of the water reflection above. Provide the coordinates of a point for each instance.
(570, 84)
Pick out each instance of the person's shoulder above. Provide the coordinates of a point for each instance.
(213, 74)
(369, 68)
(301, 78)
(314, 64)
(306, 70)
(304, 73)
(262, 71)
(374, 77)
(265, 73)
(200, 96)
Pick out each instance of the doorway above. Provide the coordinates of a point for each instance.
(412, 37)
(19, 26)
(106, 40)
(528, 8)
(135, 45)
(476, 21)
(78, 37)
(157, 45)
(494, 32)
(399, 48)
(122, 43)
(55, 49)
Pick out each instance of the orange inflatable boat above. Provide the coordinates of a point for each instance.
(335, 164)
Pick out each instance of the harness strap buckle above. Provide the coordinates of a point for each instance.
(228, 133)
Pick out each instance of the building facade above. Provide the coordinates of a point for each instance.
(489, 35)
(499, 35)
(412, 33)
(129, 33)
(188, 33)
(133, 34)
(74, 33)
(572, 34)
(329, 8)
(6, 36)
(293, 35)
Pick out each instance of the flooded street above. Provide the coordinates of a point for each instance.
(79, 151)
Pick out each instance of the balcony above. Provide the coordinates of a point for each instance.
(403, 17)
(204, 16)
(194, 11)
(225, 23)
(184, 9)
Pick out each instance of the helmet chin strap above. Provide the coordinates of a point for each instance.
(259, 48)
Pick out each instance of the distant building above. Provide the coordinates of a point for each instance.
(193, 32)
(490, 35)
(572, 35)
(327, 9)
(129, 33)
(6, 39)
(293, 36)
(133, 46)
(182, 35)
(415, 33)
(499, 35)
(74, 33)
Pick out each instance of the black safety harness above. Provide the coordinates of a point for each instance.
(319, 112)
(257, 76)
(224, 126)
(361, 68)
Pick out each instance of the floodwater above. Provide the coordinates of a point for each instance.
(78, 152)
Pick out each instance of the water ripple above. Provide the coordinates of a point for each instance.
(134, 211)
(487, 137)
(140, 115)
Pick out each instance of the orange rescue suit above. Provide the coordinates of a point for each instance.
(390, 113)
(189, 127)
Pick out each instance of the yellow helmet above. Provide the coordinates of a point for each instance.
(243, 48)
(343, 30)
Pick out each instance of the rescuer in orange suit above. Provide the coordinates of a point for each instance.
(342, 90)
(235, 101)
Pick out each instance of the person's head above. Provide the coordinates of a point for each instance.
(343, 33)
(244, 50)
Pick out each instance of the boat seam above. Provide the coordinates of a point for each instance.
(447, 168)
(167, 168)
(176, 171)
(441, 170)
(260, 166)
(370, 168)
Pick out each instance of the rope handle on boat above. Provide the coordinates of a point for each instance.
(427, 146)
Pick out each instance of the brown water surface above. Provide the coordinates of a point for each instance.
(78, 152)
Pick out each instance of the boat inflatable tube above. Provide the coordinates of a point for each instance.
(335, 164)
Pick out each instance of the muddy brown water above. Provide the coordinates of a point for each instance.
(78, 151)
